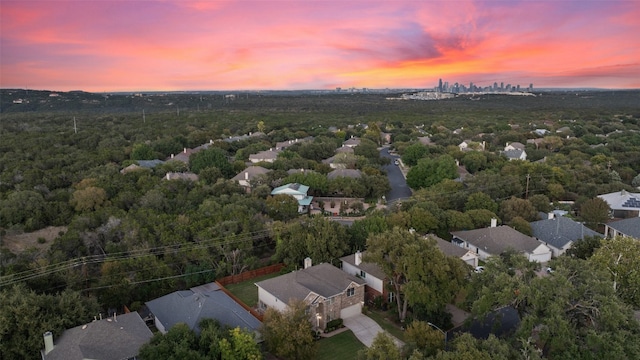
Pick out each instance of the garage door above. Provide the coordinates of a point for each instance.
(350, 311)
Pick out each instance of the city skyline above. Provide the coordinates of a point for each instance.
(172, 45)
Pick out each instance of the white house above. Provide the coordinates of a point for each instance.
(264, 156)
(623, 204)
(495, 240)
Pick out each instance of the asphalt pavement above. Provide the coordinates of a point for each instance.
(399, 187)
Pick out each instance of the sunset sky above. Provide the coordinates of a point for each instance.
(109, 45)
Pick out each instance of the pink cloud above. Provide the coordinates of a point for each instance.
(181, 45)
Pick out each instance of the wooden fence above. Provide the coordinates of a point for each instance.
(251, 274)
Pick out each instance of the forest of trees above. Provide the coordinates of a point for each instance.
(127, 238)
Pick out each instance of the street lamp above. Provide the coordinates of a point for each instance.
(443, 332)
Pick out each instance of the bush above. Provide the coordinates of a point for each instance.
(334, 325)
(41, 240)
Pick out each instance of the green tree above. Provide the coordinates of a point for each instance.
(514, 207)
(595, 211)
(413, 153)
(620, 257)
(429, 172)
(419, 272)
(25, 207)
(474, 161)
(289, 334)
(480, 200)
(88, 199)
(240, 346)
(26, 315)
(281, 207)
(521, 225)
(319, 238)
(584, 248)
(211, 157)
(382, 348)
(423, 337)
(179, 342)
(142, 151)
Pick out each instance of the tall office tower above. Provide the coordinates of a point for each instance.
(501, 86)
(518, 88)
(471, 86)
(495, 86)
(530, 87)
(440, 85)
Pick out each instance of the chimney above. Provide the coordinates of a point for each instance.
(48, 342)
(168, 176)
(457, 162)
(210, 141)
(483, 145)
(307, 262)
(494, 222)
(246, 175)
(184, 150)
(550, 216)
(358, 258)
(172, 156)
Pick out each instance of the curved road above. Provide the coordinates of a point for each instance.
(399, 187)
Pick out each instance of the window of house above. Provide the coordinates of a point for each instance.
(391, 297)
(351, 291)
(363, 274)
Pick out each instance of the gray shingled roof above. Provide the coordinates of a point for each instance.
(202, 302)
(513, 154)
(253, 171)
(496, 240)
(104, 339)
(560, 231)
(629, 227)
(325, 280)
(448, 248)
(351, 173)
(370, 268)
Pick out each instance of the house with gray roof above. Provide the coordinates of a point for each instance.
(270, 156)
(627, 227)
(351, 142)
(183, 156)
(516, 154)
(188, 176)
(345, 149)
(207, 301)
(623, 204)
(113, 338)
(496, 240)
(245, 176)
(350, 173)
(450, 249)
(559, 233)
(371, 273)
(329, 292)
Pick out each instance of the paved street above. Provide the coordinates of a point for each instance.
(399, 187)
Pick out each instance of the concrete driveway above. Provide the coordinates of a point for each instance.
(365, 329)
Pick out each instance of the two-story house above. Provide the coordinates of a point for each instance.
(328, 292)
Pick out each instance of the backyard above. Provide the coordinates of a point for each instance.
(247, 290)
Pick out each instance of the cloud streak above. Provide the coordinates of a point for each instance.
(188, 45)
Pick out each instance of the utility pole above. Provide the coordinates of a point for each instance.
(526, 193)
(75, 128)
(144, 119)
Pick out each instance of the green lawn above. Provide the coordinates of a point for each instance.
(383, 318)
(341, 346)
(247, 291)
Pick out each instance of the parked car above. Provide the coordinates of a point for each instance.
(397, 162)
(479, 269)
